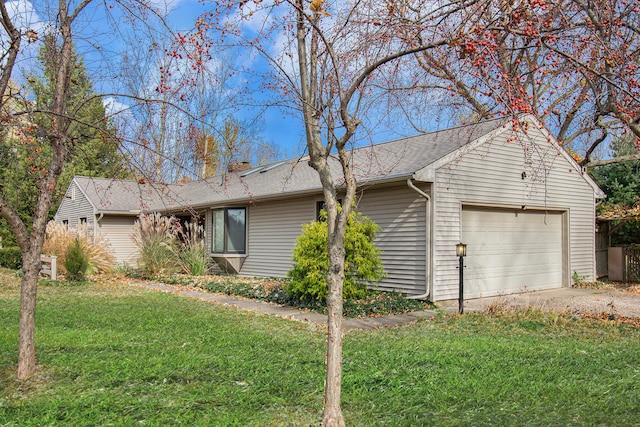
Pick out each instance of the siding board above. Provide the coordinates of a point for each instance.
(74, 206)
(272, 231)
(492, 175)
(273, 228)
(401, 214)
(118, 232)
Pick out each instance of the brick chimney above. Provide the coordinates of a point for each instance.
(238, 167)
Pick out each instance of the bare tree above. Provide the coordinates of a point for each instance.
(329, 59)
(157, 134)
(187, 133)
(572, 63)
(31, 241)
(52, 139)
(232, 142)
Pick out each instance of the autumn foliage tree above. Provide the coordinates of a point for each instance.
(53, 131)
(572, 63)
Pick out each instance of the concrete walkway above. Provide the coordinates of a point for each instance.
(570, 300)
(290, 312)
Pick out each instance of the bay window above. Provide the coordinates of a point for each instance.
(229, 231)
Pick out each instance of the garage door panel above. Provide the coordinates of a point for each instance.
(511, 251)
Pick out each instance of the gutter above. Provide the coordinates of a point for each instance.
(428, 237)
(96, 220)
(249, 198)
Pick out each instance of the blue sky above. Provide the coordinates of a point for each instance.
(282, 127)
(278, 126)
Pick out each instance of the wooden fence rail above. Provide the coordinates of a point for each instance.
(49, 266)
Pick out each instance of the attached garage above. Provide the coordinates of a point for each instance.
(512, 250)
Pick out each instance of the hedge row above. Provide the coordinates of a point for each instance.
(10, 258)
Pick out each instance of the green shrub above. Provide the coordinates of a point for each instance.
(124, 269)
(76, 261)
(311, 260)
(10, 258)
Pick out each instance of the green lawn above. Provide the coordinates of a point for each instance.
(124, 356)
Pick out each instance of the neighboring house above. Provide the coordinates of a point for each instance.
(109, 208)
(525, 209)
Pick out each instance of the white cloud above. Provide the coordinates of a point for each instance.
(163, 7)
(253, 18)
(285, 53)
(24, 15)
(113, 106)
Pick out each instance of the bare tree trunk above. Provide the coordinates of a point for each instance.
(332, 415)
(31, 243)
(27, 362)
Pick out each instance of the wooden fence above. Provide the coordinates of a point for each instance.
(624, 264)
(632, 265)
(49, 266)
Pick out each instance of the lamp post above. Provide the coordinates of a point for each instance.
(461, 252)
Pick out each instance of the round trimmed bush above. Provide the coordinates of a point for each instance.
(311, 258)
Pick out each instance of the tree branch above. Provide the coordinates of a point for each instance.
(605, 162)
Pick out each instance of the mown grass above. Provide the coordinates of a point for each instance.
(117, 355)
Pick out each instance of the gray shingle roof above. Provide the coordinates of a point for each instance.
(121, 196)
(398, 159)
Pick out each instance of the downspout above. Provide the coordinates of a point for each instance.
(96, 220)
(427, 241)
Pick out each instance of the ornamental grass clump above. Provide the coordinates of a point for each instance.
(192, 254)
(156, 237)
(311, 259)
(59, 238)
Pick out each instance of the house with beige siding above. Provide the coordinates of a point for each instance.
(109, 209)
(523, 206)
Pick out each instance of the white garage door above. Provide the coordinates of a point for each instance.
(511, 251)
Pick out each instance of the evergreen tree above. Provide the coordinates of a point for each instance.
(95, 150)
(621, 183)
(24, 159)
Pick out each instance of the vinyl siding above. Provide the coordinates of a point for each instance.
(401, 214)
(273, 228)
(118, 232)
(272, 231)
(491, 175)
(74, 206)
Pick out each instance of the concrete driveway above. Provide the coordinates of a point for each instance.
(625, 303)
(614, 302)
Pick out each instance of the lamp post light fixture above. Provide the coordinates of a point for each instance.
(461, 252)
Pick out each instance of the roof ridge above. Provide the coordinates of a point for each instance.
(102, 178)
(483, 122)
